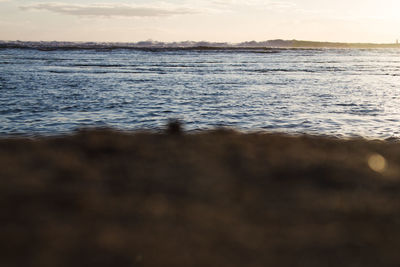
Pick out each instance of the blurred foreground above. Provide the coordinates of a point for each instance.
(215, 198)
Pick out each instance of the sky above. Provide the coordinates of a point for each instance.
(233, 21)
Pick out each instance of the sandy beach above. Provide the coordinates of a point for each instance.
(210, 198)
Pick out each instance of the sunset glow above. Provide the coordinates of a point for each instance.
(210, 20)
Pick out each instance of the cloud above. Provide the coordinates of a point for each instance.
(282, 5)
(240, 6)
(107, 10)
(255, 3)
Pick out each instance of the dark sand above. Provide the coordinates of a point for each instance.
(216, 198)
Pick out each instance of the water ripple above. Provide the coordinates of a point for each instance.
(327, 92)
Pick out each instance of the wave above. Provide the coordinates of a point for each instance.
(270, 46)
(141, 46)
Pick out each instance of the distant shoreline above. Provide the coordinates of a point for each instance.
(189, 45)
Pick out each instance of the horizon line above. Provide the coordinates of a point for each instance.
(203, 41)
(274, 43)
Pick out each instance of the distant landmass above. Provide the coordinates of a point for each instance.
(278, 43)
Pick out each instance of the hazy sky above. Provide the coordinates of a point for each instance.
(197, 20)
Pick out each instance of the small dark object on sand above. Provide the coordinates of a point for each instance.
(174, 127)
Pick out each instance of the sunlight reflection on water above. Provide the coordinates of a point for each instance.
(330, 92)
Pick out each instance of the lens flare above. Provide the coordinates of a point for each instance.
(377, 163)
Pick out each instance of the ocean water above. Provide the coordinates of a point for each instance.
(336, 92)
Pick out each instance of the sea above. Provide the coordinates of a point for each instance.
(332, 92)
